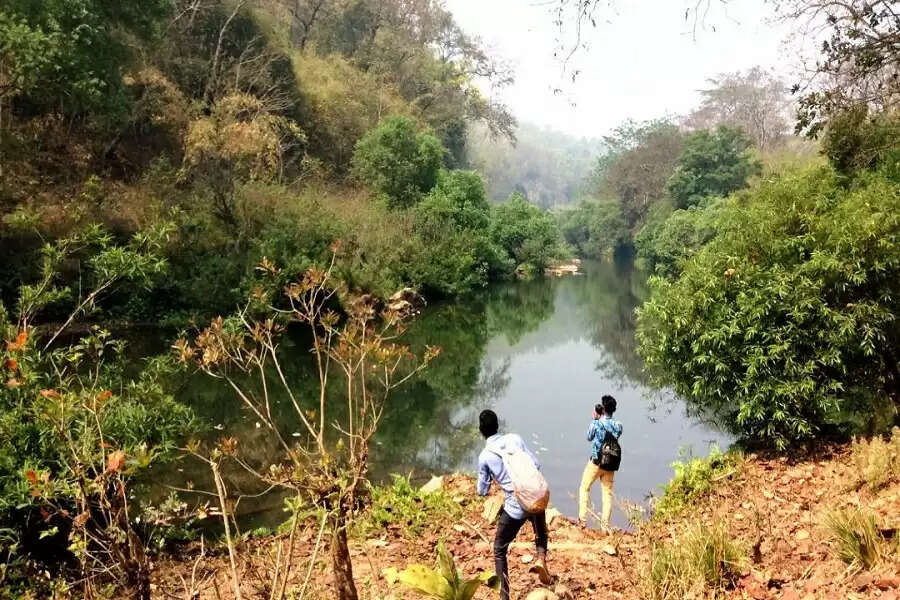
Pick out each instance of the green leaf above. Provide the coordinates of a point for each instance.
(427, 581)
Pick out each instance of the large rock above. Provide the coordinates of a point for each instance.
(435, 484)
(406, 302)
(552, 515)
(492, 508)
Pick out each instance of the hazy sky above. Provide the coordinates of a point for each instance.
(642, 63)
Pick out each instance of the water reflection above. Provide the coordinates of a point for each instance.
(540, 353)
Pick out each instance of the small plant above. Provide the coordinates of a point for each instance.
(702, 560)
(402, 504)
(694, 478)
(856, 537)
(877, 461)
(327, 465)
(443, 582)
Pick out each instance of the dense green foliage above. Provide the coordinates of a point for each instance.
(665, 243)
(856, 139)
(595, 229)
(67, 54)
(263, 129)
(453, 223)
(693, 478)
(397, 162)
(79, 420)
(789, 315)
(526, 233)
(712, 163)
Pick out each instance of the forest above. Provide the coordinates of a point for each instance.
(254, 176)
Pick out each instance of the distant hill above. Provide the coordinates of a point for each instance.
(547, 166)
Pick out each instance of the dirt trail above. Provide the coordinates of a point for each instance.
(773, 508)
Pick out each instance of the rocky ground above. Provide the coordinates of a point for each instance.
(773, 508)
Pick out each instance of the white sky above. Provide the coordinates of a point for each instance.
(643, 61)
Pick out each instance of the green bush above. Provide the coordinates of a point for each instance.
(595, 229)
(712, 163)
(77, 419)
(693, 479)
(454, 252)
(529, 235)
(457, 201)
(790, 314)
(665, 244)
(69, 54)
(398, 162)
(403, 505)
(856, 139)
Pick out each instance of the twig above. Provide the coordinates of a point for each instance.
(475, 529)
(220, 487)
(312, 559)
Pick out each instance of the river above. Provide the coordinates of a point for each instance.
(539, 353)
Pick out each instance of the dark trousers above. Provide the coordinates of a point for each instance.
(507, 528)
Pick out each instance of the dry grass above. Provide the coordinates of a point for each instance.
(877, 460)
(702, 561)
(856, 537)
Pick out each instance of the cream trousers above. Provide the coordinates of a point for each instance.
(591, 474)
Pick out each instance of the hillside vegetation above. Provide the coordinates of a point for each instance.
(265, 128)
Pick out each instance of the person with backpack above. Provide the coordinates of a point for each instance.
(508, 461)
(604, 433)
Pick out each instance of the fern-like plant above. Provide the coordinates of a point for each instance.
(443, 582)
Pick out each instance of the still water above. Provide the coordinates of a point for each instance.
(540, 354)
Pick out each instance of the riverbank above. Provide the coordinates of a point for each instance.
(773, 520)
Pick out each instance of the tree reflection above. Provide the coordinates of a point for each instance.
(606, 306)
(430, 423)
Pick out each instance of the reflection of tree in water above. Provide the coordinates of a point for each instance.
(445, 441)
(606, 302)
(516, 309)
(430, 423)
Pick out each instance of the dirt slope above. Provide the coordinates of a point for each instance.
(772, 507)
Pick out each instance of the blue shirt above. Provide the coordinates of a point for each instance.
(491, 468)
(597, 432)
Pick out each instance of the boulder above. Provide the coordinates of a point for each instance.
(435, 484)
(492, 508)
(405, 302)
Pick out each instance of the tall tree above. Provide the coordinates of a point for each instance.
(858, 61)
(755, 101)
(713, 163)
(642, 157)
(400, 163)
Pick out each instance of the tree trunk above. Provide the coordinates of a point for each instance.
(344, 587)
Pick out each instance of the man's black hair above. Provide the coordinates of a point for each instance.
(609, 405)
(488, 424)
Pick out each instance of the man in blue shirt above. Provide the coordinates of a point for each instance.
(602, 424)
(512, 516)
